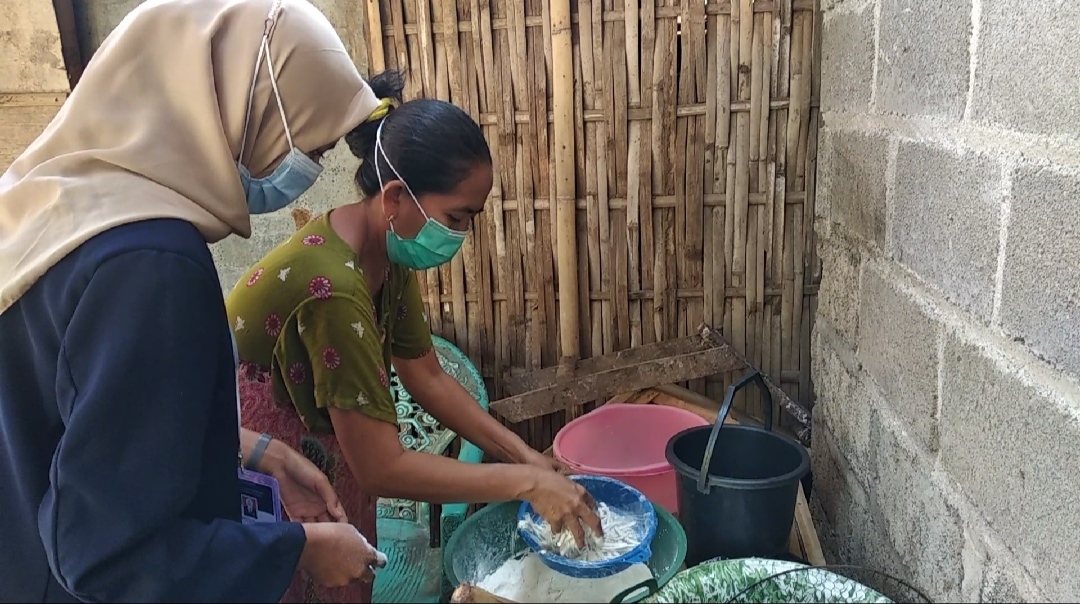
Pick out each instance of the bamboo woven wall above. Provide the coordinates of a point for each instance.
(694, 137)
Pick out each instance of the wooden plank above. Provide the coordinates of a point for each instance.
(684, 398)
(376, 50)
(679, 367)
(671, 401)
(32, 99)
(707, 408)
(471, 593)
(540, 384)
(807, 532)
(522, 383)
(642, 397)
(401, 45)
(625, 397)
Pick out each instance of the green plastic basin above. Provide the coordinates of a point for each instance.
(489, 538)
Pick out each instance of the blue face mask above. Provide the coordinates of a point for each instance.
(294, 175)
(435, 244)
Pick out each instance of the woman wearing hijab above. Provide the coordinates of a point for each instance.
(320, 319)
(118, 403)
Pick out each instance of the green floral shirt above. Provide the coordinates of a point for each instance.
(305, 312)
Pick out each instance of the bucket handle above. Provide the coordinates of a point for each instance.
(753, 375)
(649, 585)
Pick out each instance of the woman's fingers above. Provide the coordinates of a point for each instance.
(576, 530)
(556, 525)
(590, 519)
(588, 514)
(367, 575)
(333, 504)
(323, 517)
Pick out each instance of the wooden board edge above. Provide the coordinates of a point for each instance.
(640, 375)
(808, 536)
(470, 593)
(672, 395)
(32, 99)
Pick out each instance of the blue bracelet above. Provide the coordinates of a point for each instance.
(257, 451)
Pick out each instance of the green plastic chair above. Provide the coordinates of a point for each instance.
(411, 533)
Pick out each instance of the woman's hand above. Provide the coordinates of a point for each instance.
(335, 555)
(306, 493)
(539, 460)
(564, 503)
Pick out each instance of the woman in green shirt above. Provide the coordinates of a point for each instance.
(319, 320)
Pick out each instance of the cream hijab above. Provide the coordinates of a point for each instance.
(154, 127)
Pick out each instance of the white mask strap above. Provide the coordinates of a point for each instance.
(380, 151)
(264, 49)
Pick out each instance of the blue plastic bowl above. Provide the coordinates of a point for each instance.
(617, 495)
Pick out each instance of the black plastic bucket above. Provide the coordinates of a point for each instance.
(744, 504)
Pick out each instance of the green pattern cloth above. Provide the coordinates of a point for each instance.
(723, 580)
(305, 312)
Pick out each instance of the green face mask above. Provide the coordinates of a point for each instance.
(434, 245)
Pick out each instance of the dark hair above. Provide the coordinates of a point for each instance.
(434, 145)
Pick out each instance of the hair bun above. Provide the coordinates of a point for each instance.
(388, 86)
(386, 105)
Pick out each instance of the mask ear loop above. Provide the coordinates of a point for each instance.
(378, 173)
(264, 49)
(277, 94)
(382, 187)
(251, 98)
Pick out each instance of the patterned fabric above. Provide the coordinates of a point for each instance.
(261, 414)
(725, 580)
(305, 312)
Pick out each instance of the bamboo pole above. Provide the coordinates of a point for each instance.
(562, 61)
(376, 53)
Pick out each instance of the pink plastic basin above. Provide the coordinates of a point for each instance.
(627, 442)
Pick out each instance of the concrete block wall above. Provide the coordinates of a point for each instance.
(946, 355)
(33, 80)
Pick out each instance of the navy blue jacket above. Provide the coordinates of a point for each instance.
(118, 433)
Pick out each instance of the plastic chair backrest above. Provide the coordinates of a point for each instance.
(418, 430)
